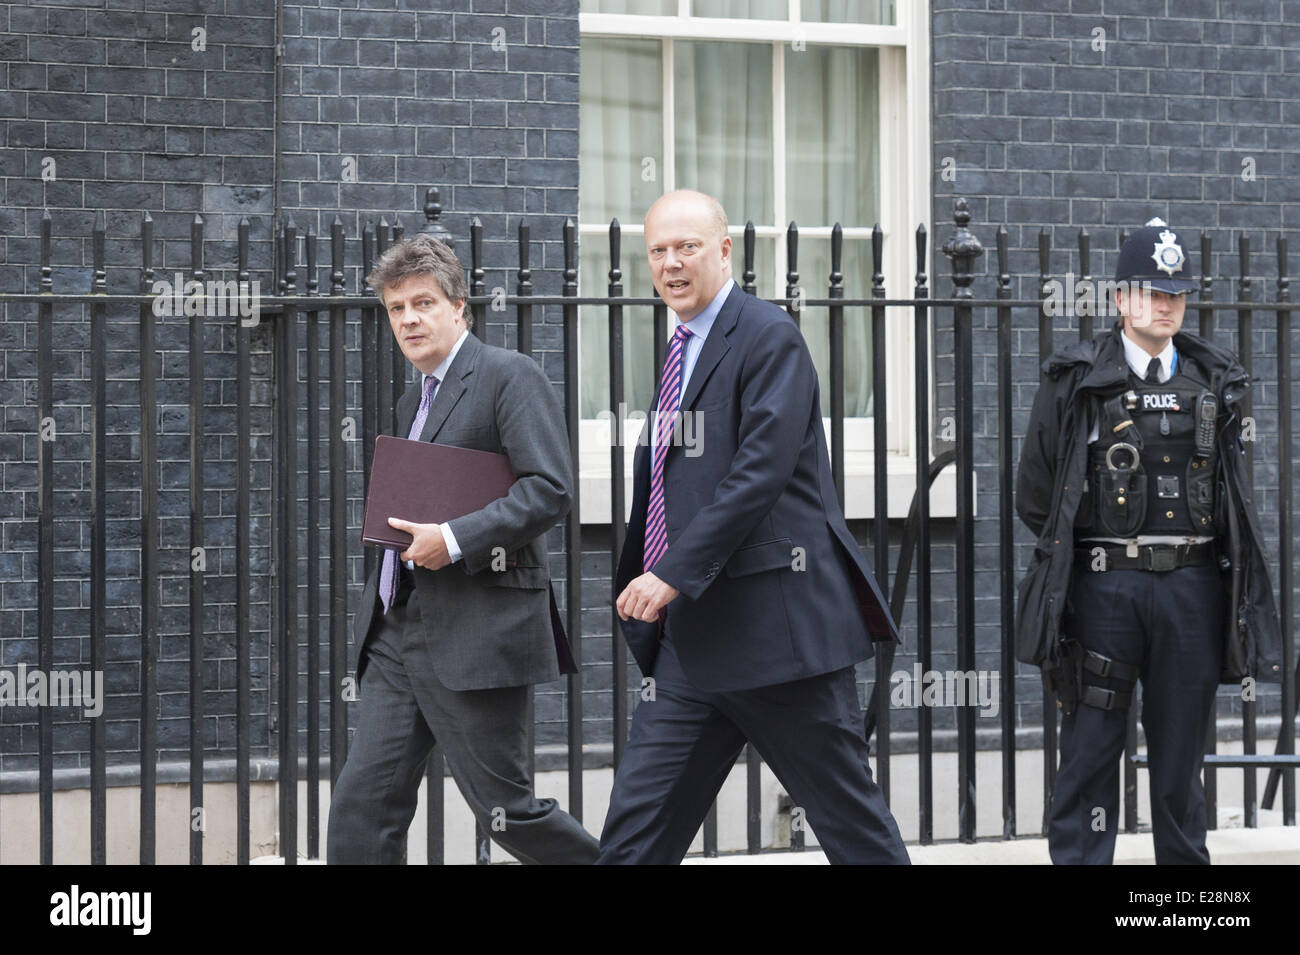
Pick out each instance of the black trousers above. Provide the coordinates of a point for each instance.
(404, 709)
(684, 742)
(1169, 625)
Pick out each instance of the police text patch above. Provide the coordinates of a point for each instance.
(1157, 402)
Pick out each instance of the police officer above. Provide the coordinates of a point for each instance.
(1149, 566)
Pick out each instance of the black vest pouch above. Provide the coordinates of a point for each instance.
(1121, 494)
(1116, 498)
(1201, 496)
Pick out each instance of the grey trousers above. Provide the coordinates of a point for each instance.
(404, 709)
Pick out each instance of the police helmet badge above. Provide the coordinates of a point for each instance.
(1168, 253)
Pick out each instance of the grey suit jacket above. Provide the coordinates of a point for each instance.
(489, 627)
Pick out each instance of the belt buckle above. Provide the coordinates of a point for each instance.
(1164, 558)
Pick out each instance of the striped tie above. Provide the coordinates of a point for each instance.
(670, 399)
(388, 573)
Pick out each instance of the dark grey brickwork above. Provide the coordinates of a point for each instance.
(134, 118)
(478, 97)
(1047, 131)
(377, 101)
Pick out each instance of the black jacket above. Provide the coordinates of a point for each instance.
(1049, 486)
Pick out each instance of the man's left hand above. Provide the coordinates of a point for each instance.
(428, 549)
(644, 597)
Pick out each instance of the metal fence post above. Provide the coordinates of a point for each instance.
(962, 249)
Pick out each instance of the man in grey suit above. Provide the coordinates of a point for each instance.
(451, 632)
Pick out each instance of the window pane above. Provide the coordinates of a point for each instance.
(848, 11)
(742, 9)
(644, 7)
(832, 123)
(723, 121)
(593, 325)
(814, 279)
(620, 128)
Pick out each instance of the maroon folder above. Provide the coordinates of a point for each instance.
(428, 484)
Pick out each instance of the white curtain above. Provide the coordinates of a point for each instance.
(639, 7)
(832, 175)
(723, 123)
(847, 11)
(742, 9)
(723, 129)
(620, 156)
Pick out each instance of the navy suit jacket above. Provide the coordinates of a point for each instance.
(773, 586)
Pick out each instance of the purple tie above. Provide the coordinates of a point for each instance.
(388, 573)
(670, 399)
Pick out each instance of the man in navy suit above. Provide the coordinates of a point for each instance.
(743, 594)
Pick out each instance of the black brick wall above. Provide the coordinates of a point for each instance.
(134, 119)
(1047, 132)
(137, 119)
(1044, 131)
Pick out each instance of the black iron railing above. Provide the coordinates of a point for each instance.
(321, 601)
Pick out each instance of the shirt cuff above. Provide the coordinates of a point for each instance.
(448, 538)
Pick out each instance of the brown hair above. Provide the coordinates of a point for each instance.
(421, 255)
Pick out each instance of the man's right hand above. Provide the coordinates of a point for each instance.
(428, 549)
(644, 597)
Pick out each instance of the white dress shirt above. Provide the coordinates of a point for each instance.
(453, 548)
(699, 326)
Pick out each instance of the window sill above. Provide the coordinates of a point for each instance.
(859, 476)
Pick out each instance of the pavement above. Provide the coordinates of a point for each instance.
(1231, 843)
(1274, 845)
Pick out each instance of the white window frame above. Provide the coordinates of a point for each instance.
(904, 90)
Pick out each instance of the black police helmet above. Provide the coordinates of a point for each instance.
(1154, 257)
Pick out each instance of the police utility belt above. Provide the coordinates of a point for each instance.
(1100, 556)
(1151, 472)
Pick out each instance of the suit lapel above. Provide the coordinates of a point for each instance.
(406, 406)
(715, 346)
(450, 391)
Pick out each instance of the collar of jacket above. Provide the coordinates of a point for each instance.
(1104, 357)
(449, 392)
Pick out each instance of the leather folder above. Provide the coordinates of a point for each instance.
(428, 483)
